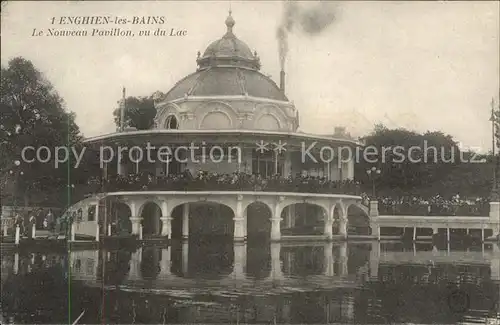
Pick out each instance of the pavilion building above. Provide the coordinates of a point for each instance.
(226, 117)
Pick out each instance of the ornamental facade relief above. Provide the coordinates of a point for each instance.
(214, 114)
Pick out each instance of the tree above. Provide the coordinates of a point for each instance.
(31, 114)
(431, 158)
(139, 113)
(495, 118)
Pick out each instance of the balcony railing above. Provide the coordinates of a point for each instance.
(443, 209)
(221, 183)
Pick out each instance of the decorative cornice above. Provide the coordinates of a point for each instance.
(232, 97)
(193, 132)
(186, 116)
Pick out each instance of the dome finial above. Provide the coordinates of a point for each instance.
(230, 21)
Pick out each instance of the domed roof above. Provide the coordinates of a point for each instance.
(229, 51)
(227, 68)
(228, 46)
(226, 81)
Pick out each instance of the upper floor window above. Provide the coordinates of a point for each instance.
(91, 213)
(171, 123)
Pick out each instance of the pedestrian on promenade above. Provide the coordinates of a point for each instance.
(50, 220)
(32, 221)
(19, 221)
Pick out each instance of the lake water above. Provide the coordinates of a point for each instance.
(258, 282)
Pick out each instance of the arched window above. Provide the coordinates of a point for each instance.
(171, 123)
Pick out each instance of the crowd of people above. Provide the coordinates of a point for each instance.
(236, 181)
(388, 205)
(39, 218)
(436, 205)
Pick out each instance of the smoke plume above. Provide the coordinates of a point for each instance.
(311, 20)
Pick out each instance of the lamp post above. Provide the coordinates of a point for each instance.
(373, 173)
(495, 195)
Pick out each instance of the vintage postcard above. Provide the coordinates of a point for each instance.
(250, 162)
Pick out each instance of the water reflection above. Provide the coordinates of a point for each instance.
(368, 282)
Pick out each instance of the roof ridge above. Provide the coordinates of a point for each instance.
(178, 83)
(200, 78)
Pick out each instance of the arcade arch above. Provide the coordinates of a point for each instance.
(303, 219)
(258, 221)
(120, 218)
(151, 214)
(202, 220)
(358, 222)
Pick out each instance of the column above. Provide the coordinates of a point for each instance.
(185, 257)
(97, 232)
(329, 261)
(166, 226)
(275, 229)
(97, 213)
(239, 229)
(287, 164)
(165, 261)
(121, 165)
(136, 225)
(328, 227)
(373, 212)
(276, 272)
(343, 259)
(166, 220)
(343, 226)
(73, 231)
(448, 234)
(414, 233)
(109, 229)
(375, 229)
(240, 221)
(374, 259)
(342, 220)
(276, 219)
(185, 221)
(495, 212)
(33, 231)
(5, 228)
(482, 233)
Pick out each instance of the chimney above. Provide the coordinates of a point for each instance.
(339, 131)
(282, 81)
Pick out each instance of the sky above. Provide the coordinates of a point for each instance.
(417, 65)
